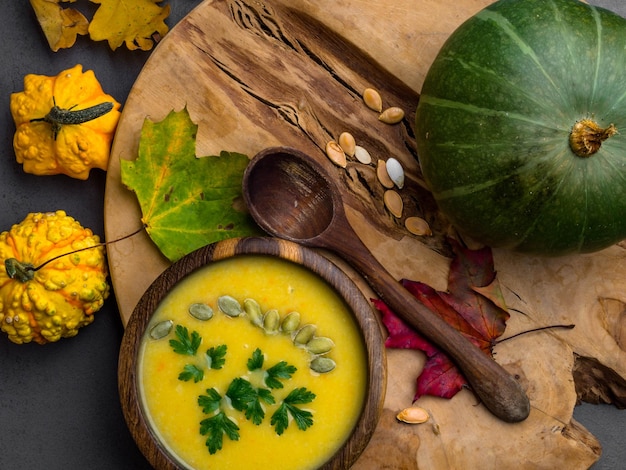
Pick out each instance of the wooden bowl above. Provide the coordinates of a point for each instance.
(360, 307)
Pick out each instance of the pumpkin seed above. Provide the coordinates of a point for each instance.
(291, 322)
(372, 99)
(319, 345)
(347, 143)
(383, 176)
(393, 202)
(229, 305)
(161, 329)
(413, 415)
(253, 310)
(322, 365)
(391, 115)
(417, 226)
(271, 320)
(395, 172)
(336, 154)
(305, 334)
(201, 311)
(362, 155)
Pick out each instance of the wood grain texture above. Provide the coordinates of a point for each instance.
(358, 304)
(289, 72)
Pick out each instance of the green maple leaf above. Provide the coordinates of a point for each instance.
(186, 202)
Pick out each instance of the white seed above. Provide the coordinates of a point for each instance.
(417, 226)
(383, 176)
(362, 155)
(393, 202)
(347, 143)
(372, 99)
(391, 115)
(413, 415)
(336, 154)
(395, 172)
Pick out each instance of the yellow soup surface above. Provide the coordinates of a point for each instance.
(172, 404)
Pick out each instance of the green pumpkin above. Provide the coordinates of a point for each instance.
(521, 127)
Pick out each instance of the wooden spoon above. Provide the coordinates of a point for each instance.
(291, 196)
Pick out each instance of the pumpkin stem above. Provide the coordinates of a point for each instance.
(586, 137)
(23, 272)
(58, 117)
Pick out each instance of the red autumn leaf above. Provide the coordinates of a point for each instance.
(473, 305)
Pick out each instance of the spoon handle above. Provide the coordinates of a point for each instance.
(497, 389)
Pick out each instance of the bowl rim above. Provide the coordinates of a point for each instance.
(359, 306)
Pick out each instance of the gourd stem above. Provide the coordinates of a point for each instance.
(587, 136)
(25, 272)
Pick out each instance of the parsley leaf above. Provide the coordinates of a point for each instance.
(256, 361)
(217, 356)
(215, 428)
(210, 402)
(186, 344)
(280, 370)
(302, 418)
(191, 372)
(241, 393)
(247, 398)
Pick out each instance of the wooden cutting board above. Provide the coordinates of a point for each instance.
(254, 74)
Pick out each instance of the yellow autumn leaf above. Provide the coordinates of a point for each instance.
(60, 25)
(132, 22)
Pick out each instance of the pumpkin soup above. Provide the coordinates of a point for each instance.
(252, 362)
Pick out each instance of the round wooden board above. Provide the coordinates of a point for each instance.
(254, 74)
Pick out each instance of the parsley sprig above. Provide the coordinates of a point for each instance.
(302, 418)
(187, 344)
(218, 425)
(281, 370)
(191, 371)
(247, 398)
(216, 356)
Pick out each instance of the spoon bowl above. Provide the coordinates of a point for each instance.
(291, 196)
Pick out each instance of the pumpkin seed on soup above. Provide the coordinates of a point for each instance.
(304, 335)
(291, 322)
(319, 345)
(322, 365)
(161, 329)
(201, 311)
(253, 310)
(271, 321)
(229, 305)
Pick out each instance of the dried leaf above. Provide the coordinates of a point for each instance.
(186, 202)
(130, 22)
(473, 305)
(59, 25)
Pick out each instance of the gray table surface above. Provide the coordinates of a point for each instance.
(59, 406)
